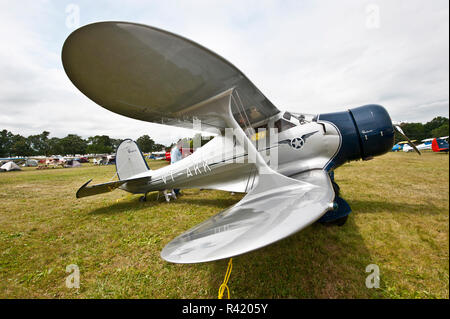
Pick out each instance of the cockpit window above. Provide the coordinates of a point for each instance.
(283, 125)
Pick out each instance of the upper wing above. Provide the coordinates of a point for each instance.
(153, 75)
(268, 213)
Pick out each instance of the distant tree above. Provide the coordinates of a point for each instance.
(73, 144)
(34, 143)
(5, 143)
(99, 144)
(159, 147)
(44, 147)
(55, 147)
(434, 124)
(441, 131)
(116, 142)
(21, 146)
(415, 131)
(39, 143)
(145, 143)
(198, 140)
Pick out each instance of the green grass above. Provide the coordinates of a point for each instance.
(399, 222)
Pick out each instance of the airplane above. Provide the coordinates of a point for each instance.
(399, 146)
(283, 161)
(440, 145)
(426, 145)
(157, 155)
(9, 159)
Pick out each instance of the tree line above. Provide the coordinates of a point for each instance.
(437, 127)
(41, 144)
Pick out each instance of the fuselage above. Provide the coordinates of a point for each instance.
(299, 143)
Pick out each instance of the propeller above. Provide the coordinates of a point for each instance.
(399, 129)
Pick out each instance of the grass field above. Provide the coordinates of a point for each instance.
(399, 222)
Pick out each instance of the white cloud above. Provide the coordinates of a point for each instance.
(305, 56)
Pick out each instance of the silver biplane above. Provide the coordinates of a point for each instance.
(283, 161)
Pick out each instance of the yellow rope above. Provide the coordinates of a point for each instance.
(224, 286)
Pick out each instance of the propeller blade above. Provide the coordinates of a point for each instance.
(399, 129)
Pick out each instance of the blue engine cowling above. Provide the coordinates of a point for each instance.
(366, 132)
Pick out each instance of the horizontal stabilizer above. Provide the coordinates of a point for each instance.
(86, 190)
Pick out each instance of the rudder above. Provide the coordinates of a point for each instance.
(129, 160)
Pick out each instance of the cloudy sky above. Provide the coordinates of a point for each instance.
(305, 56)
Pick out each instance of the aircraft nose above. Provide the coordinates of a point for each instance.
(375, 129)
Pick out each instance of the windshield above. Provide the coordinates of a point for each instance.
(301, 118)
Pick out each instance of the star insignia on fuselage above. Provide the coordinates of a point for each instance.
(297, 142)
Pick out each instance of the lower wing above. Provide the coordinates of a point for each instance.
(276, 208)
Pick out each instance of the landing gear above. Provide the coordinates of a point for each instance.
(143, 198)
(337, 222)
(336, 188)
(167, 195)
(339, 215)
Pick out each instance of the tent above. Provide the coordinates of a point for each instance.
(105, 160)
(31, 163)
(72, 163)
(10, 166)
(110, 159)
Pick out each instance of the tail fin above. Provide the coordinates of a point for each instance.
(434, 146)
(129, 160)
(439, 145)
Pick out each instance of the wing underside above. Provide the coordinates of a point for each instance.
(265, 215)
(153, 75)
